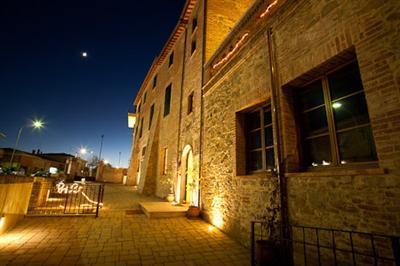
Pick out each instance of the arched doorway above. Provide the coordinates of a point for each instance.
(188, 181)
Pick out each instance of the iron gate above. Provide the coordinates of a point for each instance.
(325, 246)
(51, 198)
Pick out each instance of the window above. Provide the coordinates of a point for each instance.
(190, 103)
(334, 120)
(194, 24)
(138, 108)
(151, 115)
(193, 49)
(167, 100)
(144, 97)
(259, 140)
(141, 128)
(164, 161)
(171, 59)
(154, 81)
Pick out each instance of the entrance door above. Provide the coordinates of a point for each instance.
(188, 191)
(139, 172)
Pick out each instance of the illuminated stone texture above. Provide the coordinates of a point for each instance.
(222, 15)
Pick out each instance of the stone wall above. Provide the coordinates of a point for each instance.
(15, 193)
(306, 35)
(230, 198)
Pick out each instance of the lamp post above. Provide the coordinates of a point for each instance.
(36, 124)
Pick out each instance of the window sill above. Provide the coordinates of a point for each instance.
(337, 172)
(261, 174)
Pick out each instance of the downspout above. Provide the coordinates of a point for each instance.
(201, 96)
(275, 106)
(180, 104)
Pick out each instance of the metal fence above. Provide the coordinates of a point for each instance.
(322, 246)
(50, 198)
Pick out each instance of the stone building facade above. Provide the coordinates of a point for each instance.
(306, 90)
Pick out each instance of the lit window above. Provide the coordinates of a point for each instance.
(164, 161)
(334, 120)
(259, 140)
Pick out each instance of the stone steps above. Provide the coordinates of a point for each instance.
(163, 209)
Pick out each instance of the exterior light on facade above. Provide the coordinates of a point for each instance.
(268, 9)
(336, 105)
(105, 162)
(2, 220)
(131, 120)
(228, 55)
(210, 228)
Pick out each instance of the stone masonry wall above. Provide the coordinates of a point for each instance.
(230, 199)
(306, 35)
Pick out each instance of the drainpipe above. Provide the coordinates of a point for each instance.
(180, 105)
(277, 133)
(201, 98)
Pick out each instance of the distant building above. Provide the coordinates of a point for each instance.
(30, 163)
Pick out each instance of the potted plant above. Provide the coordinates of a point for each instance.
(267, 249)
(194, 210)
(169, 180)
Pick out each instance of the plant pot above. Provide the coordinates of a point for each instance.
(171, 197)
(266, 253)
(193, 212)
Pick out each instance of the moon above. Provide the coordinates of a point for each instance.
(84, 54)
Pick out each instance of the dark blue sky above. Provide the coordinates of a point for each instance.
(42, 74)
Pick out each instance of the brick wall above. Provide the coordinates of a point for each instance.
(306, 35)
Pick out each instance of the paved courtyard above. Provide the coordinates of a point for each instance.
(118, 238)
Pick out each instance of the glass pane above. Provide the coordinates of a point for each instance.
(345, 81)
(269, 156)
(255, 161)
(253, 121)
(315, 122)
(269, 136)
(350, 111)
(267, 117)
(254, 140)
(318, 151)
(356, 145)
(311, 96)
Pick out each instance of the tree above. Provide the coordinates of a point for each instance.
(93, 162)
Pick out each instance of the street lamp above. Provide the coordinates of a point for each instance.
(36, 124)
(82, 151)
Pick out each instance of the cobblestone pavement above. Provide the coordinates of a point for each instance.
(116, 238)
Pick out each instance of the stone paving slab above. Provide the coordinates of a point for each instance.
(118, 239)
(163, 209)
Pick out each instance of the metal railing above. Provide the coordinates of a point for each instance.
(51, 198)
(324, 246)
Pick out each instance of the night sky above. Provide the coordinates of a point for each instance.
(43, 75)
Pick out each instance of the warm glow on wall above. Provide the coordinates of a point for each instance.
(217, 218)
(228, 55)
(2, 220)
